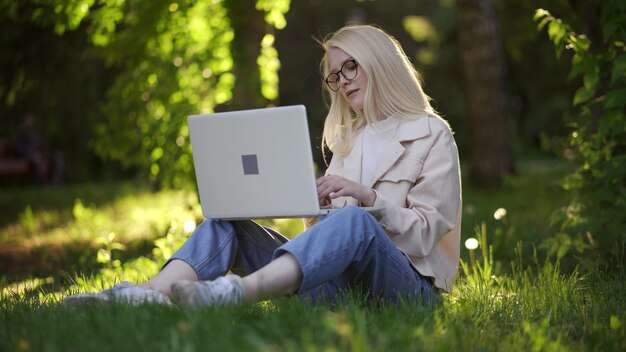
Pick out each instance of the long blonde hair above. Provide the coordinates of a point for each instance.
(393, 85)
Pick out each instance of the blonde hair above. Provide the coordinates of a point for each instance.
(393, 85)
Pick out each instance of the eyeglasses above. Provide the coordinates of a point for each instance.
(348, 70)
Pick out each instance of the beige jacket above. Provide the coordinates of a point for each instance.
(418, 182)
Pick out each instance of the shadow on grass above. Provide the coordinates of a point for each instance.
(61, 261)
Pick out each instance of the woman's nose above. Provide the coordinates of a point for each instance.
(342, 80)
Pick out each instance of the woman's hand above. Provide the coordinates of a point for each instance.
(331, 187)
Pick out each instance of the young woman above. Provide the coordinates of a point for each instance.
(390, 149)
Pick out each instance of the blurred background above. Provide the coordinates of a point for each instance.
(110, 84)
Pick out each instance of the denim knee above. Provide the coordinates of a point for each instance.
(359, 219)
(210, 250)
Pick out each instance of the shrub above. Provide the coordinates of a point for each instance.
(598, 135)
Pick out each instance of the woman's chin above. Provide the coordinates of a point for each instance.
(355, 104)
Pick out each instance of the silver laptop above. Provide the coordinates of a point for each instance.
(255, 164)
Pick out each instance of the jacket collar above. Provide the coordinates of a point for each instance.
(408, 130)
(411, 130)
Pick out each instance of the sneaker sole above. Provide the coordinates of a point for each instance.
(81, 301)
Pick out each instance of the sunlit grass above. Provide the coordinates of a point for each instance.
(134, 214)
(140, 214)
(58, 231)
(507, 297)
(535, 309)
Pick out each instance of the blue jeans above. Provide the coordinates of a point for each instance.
(346, 249)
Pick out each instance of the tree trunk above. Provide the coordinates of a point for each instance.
(249, 28)
(482, 57)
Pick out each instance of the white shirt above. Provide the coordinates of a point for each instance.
(376, 139)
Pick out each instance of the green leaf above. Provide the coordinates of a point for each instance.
(539, 13)
(582, 95)
(420, 28)
(580, 43)
(117, 246)
(577, 67)
(103, 256)
(613, 20)
(557, 31)
(544, 22)
(615, 98)
(619, 67)
(590, 79)
(615, 323)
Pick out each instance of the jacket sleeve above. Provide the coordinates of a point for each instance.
(432, 202)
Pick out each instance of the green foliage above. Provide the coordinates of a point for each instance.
(598, 131)
(176, 235)
(269, 64)
(66, 229)
(422, 30)
(519, 211)
(105, 254)
(482, 271)
(544, 309)
(178, 64)
(275, 11)
(171, 59)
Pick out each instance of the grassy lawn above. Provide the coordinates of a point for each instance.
(79, 238)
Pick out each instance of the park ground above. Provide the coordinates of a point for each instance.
(512, 292)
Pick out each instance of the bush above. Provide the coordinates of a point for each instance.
(597, 140)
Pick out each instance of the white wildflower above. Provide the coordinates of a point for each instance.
(499, 214)
(471, 243)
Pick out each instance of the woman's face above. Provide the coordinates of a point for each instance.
(352, 90)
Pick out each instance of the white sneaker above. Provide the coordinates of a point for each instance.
(125, 292)
(225, 290)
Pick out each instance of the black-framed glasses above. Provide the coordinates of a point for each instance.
(348, 70)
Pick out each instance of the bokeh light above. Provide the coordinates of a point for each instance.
(471, 243)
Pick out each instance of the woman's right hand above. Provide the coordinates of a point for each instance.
(330, 187)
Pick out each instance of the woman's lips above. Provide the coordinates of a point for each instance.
(350, 92)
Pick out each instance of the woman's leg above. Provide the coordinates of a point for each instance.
(206, 254)
(173, 271)
(280, 277)
(215, 248)
(255, 246)
(350, 249)
(346, 249)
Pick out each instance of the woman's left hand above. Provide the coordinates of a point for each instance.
(336, 186)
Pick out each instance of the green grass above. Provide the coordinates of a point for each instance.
(507, 296)
(530, 199)
(533, 310)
